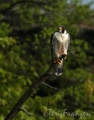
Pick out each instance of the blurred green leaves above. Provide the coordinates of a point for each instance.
(7, 41)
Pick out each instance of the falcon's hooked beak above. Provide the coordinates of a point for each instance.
(60, 29)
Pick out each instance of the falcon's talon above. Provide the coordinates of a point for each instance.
(57, 61)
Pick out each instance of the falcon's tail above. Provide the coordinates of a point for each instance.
(58, 69)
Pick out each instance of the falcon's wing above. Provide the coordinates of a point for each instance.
(51, 44)
(55, 44)
(68, 39)
(67, 43)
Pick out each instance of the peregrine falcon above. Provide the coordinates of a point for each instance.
(59, 45)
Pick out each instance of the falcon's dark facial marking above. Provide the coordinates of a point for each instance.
(62, 29)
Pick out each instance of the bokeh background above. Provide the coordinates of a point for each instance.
(25, 30)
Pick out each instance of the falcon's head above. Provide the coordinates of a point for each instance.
(62, 29)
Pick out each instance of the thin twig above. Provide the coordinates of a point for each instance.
(27, 112)
(50, 86)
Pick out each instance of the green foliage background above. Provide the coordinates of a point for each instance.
(25, 30)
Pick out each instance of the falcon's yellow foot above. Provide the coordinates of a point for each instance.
(65, 56)
(57, 61)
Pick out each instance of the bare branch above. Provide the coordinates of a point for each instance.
(50, 86)
(16, 109)
(27, 112)
(11, 6)
(19, 2)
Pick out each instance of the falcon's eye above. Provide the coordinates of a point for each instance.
(64, 28)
